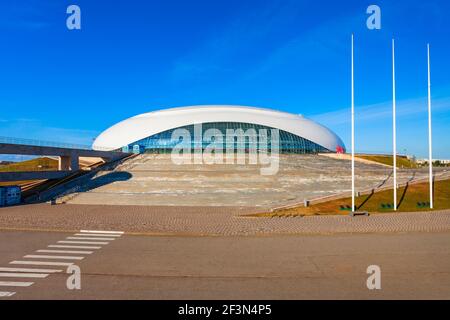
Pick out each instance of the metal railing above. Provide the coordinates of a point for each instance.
(45, 143)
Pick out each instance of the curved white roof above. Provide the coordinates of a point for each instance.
(148, 124)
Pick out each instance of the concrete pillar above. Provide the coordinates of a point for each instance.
(69, 163)
(74, 163)
(64, 163)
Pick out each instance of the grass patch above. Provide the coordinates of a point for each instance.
(38, 164)
(402, 162)
(411, 198)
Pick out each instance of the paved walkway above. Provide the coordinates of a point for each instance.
(228, 221)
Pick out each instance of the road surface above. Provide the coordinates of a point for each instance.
(126, 266)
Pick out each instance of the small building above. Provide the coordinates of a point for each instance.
(10, 195)
(2, 196)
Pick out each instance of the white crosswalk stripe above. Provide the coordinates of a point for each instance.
(81, 242)
(101, 231)
(98, 235)
(85, 238)
(38, 256)
(15, 284)
(64, 251)
(5, 294)
(42, 263)
(72, 247)
(22, 275)
(29, 270)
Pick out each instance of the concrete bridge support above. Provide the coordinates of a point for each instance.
(69, 162)
(64, 163)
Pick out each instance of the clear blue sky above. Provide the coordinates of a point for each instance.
(137, 56)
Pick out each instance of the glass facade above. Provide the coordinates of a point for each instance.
(164, 142)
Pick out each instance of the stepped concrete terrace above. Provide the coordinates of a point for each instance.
(155, 180)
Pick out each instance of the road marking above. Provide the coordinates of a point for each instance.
(38, 256)
(42, 263)
(73, 247)
(64, 251)
(98, 235)
(23, 275)
(15, 284)
(84, 238)
(102, 235)
(101, 231)
(4, 294)
(82, 242)
(29, 270)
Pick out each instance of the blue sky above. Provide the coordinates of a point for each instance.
(135, 56)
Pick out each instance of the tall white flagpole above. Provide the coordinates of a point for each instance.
(394, 129)
(430, 150)
(353, 129)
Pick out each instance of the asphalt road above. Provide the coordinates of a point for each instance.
(413, 266)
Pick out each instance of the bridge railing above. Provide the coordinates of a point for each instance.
(45, 143)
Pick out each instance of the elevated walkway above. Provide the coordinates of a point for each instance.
(68, 154)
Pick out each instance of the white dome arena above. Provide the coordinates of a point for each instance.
(304, 132)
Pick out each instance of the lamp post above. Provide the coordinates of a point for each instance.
(394, 129)
(353, 128)
(430, 150)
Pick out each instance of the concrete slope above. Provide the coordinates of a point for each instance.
(156, 180)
